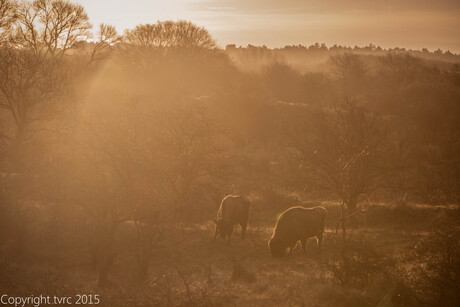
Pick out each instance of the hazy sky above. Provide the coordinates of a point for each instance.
(275, 23)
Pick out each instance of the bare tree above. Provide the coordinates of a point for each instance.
(402, 69)
(342, 151)
(144, 44)
(33, 72)
(348, 66)
(31, 77)
(170, 34)
(351, 73)
(188, 35)
(107, 37)
(8, 15)
(196, 157)
(26, 83)
(51, 26)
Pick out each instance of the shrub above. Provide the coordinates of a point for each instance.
(356, 261)
(436, 275)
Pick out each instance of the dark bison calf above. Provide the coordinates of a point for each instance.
(234, 209)
(297, 224)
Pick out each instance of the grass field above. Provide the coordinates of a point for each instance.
(187, 269)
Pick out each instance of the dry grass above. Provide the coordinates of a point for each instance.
(189, 270)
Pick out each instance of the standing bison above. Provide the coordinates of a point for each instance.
(234, 209)
(297, 224)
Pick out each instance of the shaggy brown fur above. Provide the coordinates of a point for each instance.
(297, 224)
(234, 209)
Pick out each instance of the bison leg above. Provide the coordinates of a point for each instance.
(320, 239)
(304, 246)
(320, 243)
(216, 232)
(243, 230)
(229, 235)
(291, 248)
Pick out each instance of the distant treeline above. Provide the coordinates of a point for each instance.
(308, 58)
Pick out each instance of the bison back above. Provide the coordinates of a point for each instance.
(297, 223)
(234, 209)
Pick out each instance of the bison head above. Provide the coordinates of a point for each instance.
(223, 227)
(277, 248)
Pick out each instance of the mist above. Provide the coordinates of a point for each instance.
(153, 166)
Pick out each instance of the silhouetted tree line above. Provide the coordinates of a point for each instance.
(308, 57)
(322, 46)
(154, 126)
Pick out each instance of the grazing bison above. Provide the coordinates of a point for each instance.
(234, 209)
(297, 224)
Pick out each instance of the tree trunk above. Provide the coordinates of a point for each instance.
(342, 217)
(144, 251)
(103, 252)
(352, 214)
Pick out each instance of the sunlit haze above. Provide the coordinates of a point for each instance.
(276, 23)
(230, 153)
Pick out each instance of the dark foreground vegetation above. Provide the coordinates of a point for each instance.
(116, 150)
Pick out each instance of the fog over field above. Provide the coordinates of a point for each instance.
(229, 153)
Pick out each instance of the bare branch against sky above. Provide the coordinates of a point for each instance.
(410, 24)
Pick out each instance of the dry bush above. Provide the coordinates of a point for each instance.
(356, 261)
(435, 276)
(337, 297)
(182, 287)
